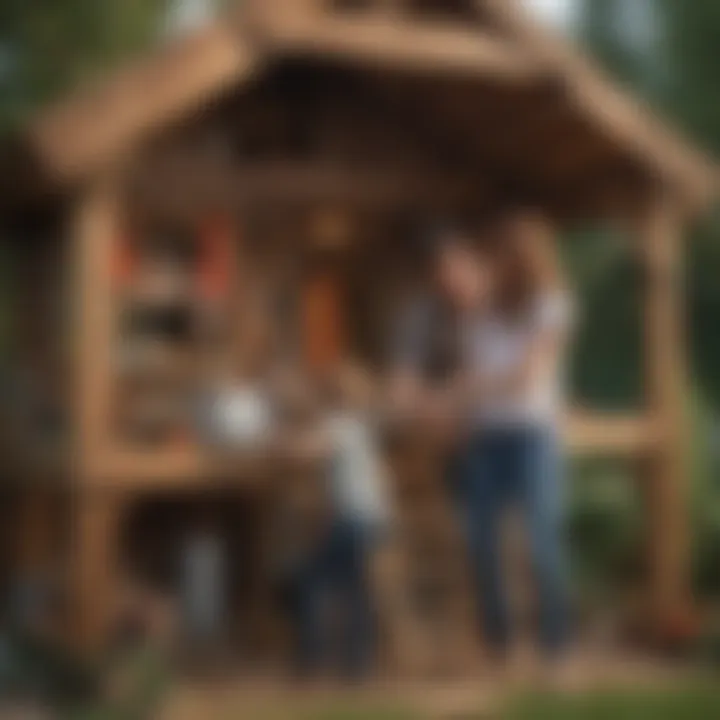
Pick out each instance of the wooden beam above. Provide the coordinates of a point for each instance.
(95, 568)
(35, 549)
(95, 510)
(392, 43)
(185, 189)
(190, 467)
(612, 435)
(96, 231)
(665, 370)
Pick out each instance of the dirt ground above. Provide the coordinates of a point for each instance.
(482, 696)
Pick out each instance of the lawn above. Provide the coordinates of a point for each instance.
(690, 703)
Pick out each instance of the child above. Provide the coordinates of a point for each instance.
(335, 576)
(358, 476)
(300, 512)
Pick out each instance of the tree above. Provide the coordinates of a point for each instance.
(615, 32)
(691, 95)
(680, 69)
(47, 46)
(692, 53)
(675, 68)
(607, 367)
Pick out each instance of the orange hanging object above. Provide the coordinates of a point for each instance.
(323, 321)
(216, 259)
(124, 261)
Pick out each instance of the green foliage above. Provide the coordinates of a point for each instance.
(607, 358)
(691, 95)
(47, 46)
(143, 678)
(691, 52)
(704, 501)
(677, 71)
(602, 33)
(605, 528)
(33, 668)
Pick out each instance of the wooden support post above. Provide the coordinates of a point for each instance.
(95, 508)
(94, 568)
(96, 235)
(35, 541)
(666, 392)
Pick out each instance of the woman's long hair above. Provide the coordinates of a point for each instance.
(526, 261)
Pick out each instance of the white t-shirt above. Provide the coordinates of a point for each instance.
(498, 347)
(358, 482)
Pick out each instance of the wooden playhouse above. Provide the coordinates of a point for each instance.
(284, 157)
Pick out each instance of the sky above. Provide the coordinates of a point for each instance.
(555, 12)
(188, 14)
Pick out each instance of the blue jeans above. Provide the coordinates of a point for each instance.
(521, 467)
(334, 578)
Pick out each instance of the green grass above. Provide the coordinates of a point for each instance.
(359, 714)
(691, 703)
(696, 703)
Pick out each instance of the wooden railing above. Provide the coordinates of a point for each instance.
(587, 434)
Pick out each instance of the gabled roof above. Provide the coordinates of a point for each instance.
(526, 103)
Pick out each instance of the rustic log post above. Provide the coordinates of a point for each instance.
(35, 534)
(95, 509)
(96, 231)
(665, 370)
(94, 592)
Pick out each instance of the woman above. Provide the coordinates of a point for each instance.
(514, 361)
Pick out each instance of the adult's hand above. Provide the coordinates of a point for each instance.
(439, 413)
(405, 396)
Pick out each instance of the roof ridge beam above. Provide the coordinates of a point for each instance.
(405, 44)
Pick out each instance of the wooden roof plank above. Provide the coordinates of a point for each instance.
(186, 189)
(402, 44)
(615, 114)
(96, 127)
(98, 124)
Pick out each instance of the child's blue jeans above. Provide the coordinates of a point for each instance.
(334, 582)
